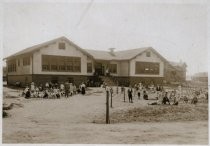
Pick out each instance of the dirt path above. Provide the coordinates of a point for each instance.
(71, 121)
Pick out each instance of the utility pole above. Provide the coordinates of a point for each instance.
(107, 107)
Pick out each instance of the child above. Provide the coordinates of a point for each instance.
(145, 95)
(139, 93)
(28, 94)
(165, 99)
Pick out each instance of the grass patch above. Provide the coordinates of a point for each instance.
(160, 113)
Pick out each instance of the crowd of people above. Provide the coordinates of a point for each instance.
(50, 90)
(163, 96)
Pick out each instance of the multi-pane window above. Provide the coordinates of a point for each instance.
(89, 67)
(11, 65)
(61, 63)
(77, 65)
(113, 68)
(53, 63)
(69, 64)
(62, 45)
(147, 68)
(45, 63)
(26, 61)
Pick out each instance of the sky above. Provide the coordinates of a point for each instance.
(176, 29)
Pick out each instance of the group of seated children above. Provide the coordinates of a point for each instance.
(52, 90)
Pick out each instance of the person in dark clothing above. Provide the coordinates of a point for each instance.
(194, 100)
(130, 97)
(139, 92)
(67, 87)
(158, 88)
(165, 99)
(45, 94)
(145, 95)
(28, 94)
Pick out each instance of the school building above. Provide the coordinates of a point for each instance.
(61, 60)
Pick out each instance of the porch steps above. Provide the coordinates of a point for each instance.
(111, 81)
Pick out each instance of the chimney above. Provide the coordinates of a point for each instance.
(112, 51)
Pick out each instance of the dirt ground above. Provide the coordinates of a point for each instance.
(71, 121)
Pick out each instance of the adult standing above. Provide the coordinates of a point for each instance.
(130, 97)
(158, 90)
(67, 87)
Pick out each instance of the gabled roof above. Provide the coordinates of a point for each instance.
(129, 54)
(96, 54)
(37, 47)
(101, 55)
(121, 55)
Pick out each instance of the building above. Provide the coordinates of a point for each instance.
(4, 73)
(176, 72)
(61, 60)
(201, 77)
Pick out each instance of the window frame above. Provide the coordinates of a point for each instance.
(148, 68)
(61, 45)
(61, 63)
(12, 66)
(89, 67)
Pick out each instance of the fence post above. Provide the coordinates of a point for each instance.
(111, 97)
(107, 107)
(124, 94)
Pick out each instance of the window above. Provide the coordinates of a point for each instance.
(26, 61)
(89, 67)
(113, 68)
(69, 64)
(61, 63)
(45, 63)
(77, 65)
(12, 66)
(147, 68)
(148, 54)
(53, 63)
(61, 45)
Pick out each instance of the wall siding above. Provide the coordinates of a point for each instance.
(42, 78)
(54, 50)
(20, 70)
(124, 68)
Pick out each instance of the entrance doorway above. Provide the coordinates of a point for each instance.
(99, 69)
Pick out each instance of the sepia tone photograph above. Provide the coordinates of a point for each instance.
(105, 72)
